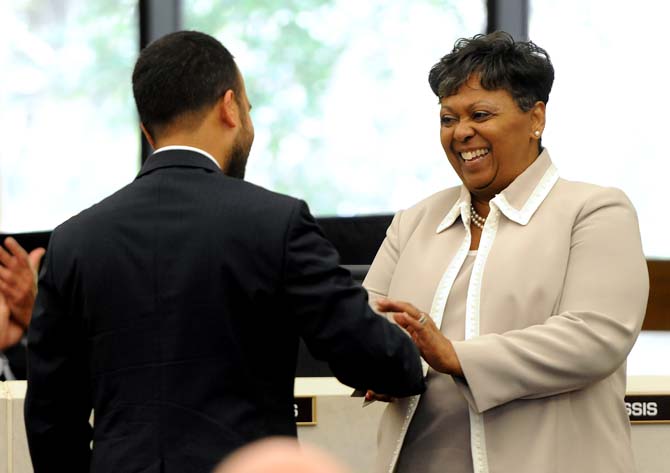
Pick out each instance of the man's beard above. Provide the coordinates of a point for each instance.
(238, 156)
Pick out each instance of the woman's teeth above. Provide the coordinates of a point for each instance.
(470, 155)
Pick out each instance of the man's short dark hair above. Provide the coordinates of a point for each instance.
(520, 67)
(181, 73)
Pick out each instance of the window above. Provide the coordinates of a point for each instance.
(343, 112)
(606, 120)
(70, 133)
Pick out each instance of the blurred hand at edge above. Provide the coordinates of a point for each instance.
(10, 331)
(18, 280)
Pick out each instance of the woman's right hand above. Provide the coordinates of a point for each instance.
(435, 348)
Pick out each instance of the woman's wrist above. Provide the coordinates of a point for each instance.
(451, 362)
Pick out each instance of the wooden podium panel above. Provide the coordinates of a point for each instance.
(349, 431)
(658, 307)
(13, 433)
(4, 441)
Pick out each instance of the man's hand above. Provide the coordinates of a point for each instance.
(370, 396)
(18, 280)
(435, 348)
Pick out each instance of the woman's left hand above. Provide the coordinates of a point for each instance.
(435, 348)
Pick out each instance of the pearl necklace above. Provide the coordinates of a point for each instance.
(477, 219)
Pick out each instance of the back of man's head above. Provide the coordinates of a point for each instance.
(280, 455)
(181, 74)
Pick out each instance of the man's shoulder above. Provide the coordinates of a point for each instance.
(249, 200)
(255, 191)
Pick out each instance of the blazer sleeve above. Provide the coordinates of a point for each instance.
(600, 314)
(331, 311)
(58, 403)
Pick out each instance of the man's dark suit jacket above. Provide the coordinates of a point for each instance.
(173, 308)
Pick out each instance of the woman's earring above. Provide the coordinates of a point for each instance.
(537, 133)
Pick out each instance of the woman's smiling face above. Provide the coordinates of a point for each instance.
(488, 139)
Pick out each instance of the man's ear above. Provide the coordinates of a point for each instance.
(147, 135)
(228, 110)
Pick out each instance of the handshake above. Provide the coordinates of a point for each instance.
(436, 349)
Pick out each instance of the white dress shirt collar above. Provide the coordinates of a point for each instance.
(188, 148)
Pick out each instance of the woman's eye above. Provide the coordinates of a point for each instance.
(447, 120)
(479, 116)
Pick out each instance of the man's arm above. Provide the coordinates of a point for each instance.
(364, 350)
(58, 400)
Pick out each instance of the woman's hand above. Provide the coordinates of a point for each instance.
(435, 348)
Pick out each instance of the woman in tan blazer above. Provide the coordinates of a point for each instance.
(530, 290)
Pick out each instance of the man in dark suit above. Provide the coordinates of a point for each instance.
(173, 308)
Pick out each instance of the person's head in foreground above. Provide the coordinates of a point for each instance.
(189, 91)
(280, 455)
(493, 92)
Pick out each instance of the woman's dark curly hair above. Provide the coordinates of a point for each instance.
(520, 67)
